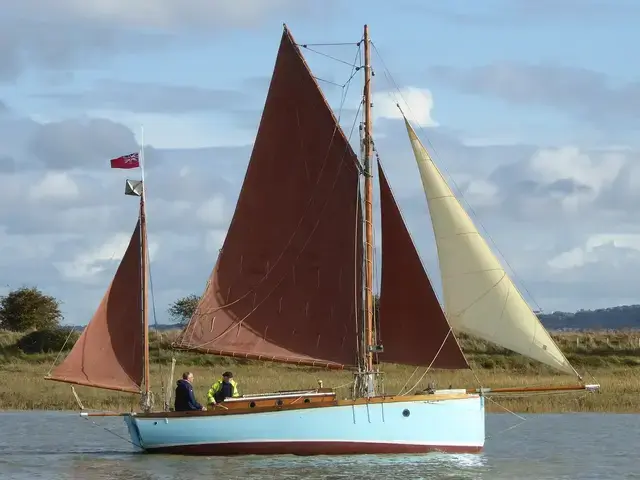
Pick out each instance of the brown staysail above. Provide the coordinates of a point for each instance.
(413, 328)
(109, 353)
(287, 283)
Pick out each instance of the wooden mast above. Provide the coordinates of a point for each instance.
(144, 311)
(368, 200)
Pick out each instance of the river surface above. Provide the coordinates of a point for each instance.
(60, 445)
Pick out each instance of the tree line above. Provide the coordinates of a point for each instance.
(28, 309)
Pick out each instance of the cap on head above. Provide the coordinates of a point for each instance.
(227, 374)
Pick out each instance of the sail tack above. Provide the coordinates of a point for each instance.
(413, 328)
(109, 353)
(479, 297)
(287, 282)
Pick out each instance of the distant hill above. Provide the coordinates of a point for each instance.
(166, 326)
(613, 318)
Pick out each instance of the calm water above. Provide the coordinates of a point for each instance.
(581, 446)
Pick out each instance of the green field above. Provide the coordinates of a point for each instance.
(610, 358)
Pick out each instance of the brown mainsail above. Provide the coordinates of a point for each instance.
(287, 282)
(413, 328)
(109, 353)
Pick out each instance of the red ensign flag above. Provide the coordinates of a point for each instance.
(126, 161)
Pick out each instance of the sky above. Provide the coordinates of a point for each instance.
(530, 109)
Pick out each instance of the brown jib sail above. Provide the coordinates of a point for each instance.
(109, 353)
(413, 328)
(287, 282)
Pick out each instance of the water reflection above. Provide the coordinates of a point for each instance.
(54, 446)
(138, 467)
(93, 467)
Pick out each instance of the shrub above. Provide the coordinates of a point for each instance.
(50, 340)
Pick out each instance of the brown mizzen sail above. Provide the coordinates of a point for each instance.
(287, 283)
(413, 328)
(109, 353)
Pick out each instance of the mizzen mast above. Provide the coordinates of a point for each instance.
(146, 401)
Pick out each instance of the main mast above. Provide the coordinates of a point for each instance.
(368, 202)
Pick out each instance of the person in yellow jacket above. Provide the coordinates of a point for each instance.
(223, 388)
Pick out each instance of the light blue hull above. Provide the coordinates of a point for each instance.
(412, 426)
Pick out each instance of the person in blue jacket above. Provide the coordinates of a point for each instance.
(185, 398)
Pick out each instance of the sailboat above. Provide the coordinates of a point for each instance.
(293, 283)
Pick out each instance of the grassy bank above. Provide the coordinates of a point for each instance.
(611, 357)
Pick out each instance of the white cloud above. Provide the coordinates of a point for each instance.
(214, 240)
(192, 192)
(57, 36)
(416, 103)
(592, 251)
(158, 209)
(54, 186)
(481, 193)
(552, 165)
(564, 181)
(489, 141)
(95, 260)
(180, 131)
(27, 248)
(170, 13)
(576, 257)
(190, 223)
(569, 162)
(212, 211)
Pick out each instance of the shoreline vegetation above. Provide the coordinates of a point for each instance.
(610, 358)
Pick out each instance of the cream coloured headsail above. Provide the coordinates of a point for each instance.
(479, 297)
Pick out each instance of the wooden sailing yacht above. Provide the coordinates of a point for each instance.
(293, 283)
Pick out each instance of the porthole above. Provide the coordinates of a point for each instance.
(406, 413)
(252, 404)
(279, 402)
(306, 400)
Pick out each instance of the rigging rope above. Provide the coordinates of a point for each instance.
(158, 332)
(71, 330)
(430, 365)
(328, 81)
(111, 432)
(306, 45)
(522, 419)
(331, 57)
